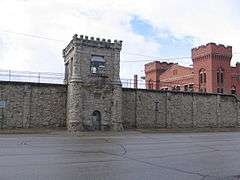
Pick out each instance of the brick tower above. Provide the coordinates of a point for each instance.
(94, 87)
(212, 68)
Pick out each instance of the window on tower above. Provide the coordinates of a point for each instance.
(220, 76)
(97, 65)
(202, 76)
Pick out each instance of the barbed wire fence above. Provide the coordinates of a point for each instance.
(30, 76)
(53, 78)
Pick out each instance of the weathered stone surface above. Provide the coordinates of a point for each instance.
(180, 107)
(159, 109)
(128, 108)
(44, 105)
(228, 112)
(89, 92)
(33, 105)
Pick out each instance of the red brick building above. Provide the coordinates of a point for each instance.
(211, 72)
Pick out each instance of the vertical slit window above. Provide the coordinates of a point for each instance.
(218, 77)
(201, 78)
(222, 78)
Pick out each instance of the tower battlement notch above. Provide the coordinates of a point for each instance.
(211, 49)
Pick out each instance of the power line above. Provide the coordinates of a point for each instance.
(154, 58)
(142, 55)
(62, 41)
(157, 59)
(33, 36)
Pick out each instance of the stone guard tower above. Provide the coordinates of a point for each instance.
(94, 87)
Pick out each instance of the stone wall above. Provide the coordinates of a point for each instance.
(94, 87)
(33, 105)
(159, 109)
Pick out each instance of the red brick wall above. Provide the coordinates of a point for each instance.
(210, 57)
(176, 76)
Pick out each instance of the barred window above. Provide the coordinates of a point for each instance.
(97, 65)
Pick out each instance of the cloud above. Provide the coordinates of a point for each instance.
(203, 21)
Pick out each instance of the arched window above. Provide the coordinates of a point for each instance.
(202, 76)
(220, 76)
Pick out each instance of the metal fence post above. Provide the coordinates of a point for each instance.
(39, 77)
(9, 75)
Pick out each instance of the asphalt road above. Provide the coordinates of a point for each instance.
(127, 156)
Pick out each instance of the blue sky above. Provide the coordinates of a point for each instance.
(150, 30)
(170, 45)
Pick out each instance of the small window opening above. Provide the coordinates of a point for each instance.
(97, 65)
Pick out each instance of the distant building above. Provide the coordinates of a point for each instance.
(211, 72)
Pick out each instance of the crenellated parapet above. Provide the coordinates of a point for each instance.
(91, 42)
(212, 50)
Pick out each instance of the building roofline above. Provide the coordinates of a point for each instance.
(177, 66)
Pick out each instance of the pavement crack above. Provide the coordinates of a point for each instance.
(214, 149)
(167, 167)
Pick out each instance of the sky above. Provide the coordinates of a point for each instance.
(33, 33)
